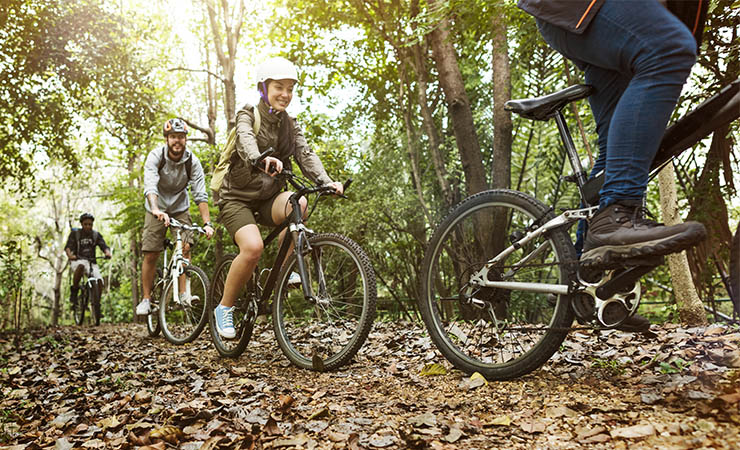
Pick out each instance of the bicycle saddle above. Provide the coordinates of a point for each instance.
(542, 108)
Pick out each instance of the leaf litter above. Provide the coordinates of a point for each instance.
(113, 387)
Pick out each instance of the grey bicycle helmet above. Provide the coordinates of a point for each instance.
(175, 125)
(86, 216)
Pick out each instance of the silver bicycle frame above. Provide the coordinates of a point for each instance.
(480, 278)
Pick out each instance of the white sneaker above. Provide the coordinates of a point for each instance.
(185, 299)
(143, 308)
(294, 279)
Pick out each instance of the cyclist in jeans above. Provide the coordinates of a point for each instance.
(168, 171)
(247, 190)
(80, 250)
(637, 55)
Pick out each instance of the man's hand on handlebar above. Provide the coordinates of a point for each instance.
(162, 216)
(209, 230)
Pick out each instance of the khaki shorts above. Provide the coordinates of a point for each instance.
(234, 214)
(152, 239)
(73, 265)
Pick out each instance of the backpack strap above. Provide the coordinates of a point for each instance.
(188, 163)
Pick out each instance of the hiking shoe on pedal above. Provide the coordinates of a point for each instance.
(143, 308)
(620, 232)
(635, 324)
(225, 321)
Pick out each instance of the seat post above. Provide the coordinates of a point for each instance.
(570, 149)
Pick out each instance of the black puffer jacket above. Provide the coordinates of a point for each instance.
(572, 15)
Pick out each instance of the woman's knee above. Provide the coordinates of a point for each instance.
(249, 241)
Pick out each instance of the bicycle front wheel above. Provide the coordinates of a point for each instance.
(95, 294)
(325, 332)
(244, 312)
(79, 309)
(182, 318)
(152, 319)
(497, 332)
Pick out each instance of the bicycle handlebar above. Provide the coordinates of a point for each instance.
(290, 177)
(174, 223)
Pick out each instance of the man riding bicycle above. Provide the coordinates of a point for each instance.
(168, 171)
(80, 250)
(637, 55)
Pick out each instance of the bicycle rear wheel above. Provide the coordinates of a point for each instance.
(152, 319)
(326, 333)
(183, 319)
(500, 333)
(79, 309)
(245, 311)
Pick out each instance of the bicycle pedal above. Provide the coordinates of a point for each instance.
(643, 261)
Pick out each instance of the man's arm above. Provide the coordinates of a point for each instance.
(71, 242)
(200, 196)
(103, 246)
(205, 214)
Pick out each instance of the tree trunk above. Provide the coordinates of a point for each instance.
(708, 206)
(430, 129)
(227, 59)
(56, 309)
(502, 125)
(690, 308)
(458, 105)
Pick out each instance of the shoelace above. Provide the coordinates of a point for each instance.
(642, 216)
(227, 318)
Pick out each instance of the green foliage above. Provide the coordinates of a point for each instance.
(610, 366)
(677, 365)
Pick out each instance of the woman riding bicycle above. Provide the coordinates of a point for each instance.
(251, 195)
(80, 250)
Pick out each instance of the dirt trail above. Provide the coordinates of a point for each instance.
(113, 387)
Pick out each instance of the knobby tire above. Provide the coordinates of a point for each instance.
(506, 333)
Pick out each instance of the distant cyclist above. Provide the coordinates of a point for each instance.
(80, 250)
(168, 172)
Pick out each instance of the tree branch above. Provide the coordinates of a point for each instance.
(216, 76)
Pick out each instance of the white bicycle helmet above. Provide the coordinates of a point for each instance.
(276, 68)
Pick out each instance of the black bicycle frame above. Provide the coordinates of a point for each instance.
(716, 111)
(296, 236)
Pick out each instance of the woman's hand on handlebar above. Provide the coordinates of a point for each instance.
(272, 166)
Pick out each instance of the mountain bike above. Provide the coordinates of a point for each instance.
(179, 293)
(89, 294)
(500, 281)
(321, 323)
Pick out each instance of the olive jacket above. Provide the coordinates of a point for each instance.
(246, 183)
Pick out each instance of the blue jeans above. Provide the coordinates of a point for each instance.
(637, 55)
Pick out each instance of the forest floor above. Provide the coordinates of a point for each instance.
(113, 387)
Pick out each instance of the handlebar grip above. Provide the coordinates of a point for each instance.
(269, 152)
